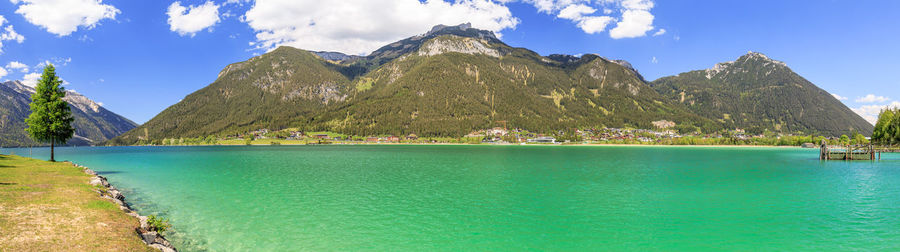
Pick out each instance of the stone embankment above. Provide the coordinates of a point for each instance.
(151, 238)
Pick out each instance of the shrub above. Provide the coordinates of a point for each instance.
(158, 224)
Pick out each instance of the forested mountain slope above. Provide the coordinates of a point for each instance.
(455, 79)
(757, 93)
(447, 82)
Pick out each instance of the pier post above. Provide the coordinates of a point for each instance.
(823, 155)
(872, 151)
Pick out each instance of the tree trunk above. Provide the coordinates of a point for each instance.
(51, 152)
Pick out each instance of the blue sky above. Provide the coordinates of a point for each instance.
(139, 57)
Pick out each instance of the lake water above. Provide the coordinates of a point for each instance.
(499, 198)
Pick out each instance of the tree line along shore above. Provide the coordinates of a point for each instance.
(498, 135)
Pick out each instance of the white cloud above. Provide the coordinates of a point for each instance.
(192, 19)
(351, 26)
(575, 11)
(592, 25)
(85, 38)
(870, 112)
(3, 72)
(635, 23)
(361, 26)
(31, 79)
(17, 66)
(549, 6)
(8, 34)
(589, 24)
(42, 64)
(62, 17)
(238, 2)
(637, 4)
(840, 98)
(871, 98)
(56, 61)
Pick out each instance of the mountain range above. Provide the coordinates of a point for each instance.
(454, 80)
(93, 123)
(757, 93)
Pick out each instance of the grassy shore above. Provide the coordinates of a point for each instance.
(48, 206)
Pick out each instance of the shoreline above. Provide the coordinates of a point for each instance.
(486, 144)
(446, 144)
(152, 239)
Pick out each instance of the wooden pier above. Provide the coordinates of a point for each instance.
(854, 152)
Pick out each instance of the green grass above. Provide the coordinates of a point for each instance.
(101, 204)
(37, 196)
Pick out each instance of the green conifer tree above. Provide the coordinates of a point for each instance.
(50, 120)
(881, 134)
(893, 130)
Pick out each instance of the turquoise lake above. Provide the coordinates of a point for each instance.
(505, 198)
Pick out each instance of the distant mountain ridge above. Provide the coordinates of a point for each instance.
(93, 123)
(758, 93)
(456, 79)
(449, 81)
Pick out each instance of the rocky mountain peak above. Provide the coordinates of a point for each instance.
(93, 123)
(569, 59)
(336, 56)
(74, 98)
(438, 28)
(718, 68)
(563, 58)
(453, 43)
(624, 63)
(464, 30)
(751, 60)
(18, 86)
(81, 102)
(628, 66)
(759, 57)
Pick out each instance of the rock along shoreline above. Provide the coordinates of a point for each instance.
(151, 238)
